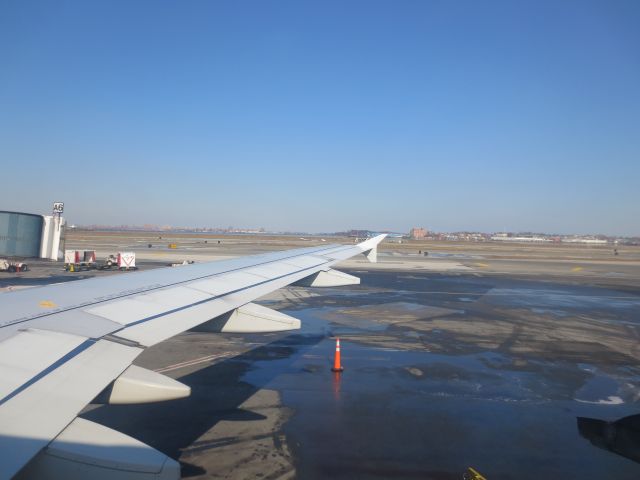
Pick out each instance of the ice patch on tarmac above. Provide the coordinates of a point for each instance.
(389, 313)
(612, 400)
(556, 299)
(601, 390)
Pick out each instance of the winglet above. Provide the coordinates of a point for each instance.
(370, 247)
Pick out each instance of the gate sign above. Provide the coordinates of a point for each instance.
(58, 208)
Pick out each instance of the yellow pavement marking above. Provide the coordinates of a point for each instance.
(47, 304)
(478, 264)
(576, 269)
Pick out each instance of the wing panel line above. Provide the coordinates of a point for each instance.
(206, 300)
(138, 292)
(87, 343)
(58, 363)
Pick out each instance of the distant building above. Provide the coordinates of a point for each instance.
(417, 233)
(587, 240)
(532, 238)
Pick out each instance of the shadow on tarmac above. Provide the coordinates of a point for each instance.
(621, 437)
(216, 393)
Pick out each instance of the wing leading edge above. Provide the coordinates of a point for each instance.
(62, 345)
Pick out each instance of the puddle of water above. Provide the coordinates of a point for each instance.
(600, 389)
(554, 299)
(587, 367)
(491, 406)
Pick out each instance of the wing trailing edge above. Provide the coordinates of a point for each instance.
(88, 340)
(85, 449)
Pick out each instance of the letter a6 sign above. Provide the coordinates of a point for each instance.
(58, 207)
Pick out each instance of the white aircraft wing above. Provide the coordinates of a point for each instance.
(67, 345)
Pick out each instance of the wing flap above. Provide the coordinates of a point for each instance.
(273, 270)
(51, 379)
(131, 310)
(89, 450)
(225, 283)
(127, 311)
(154, 330)
(305, 262)
(31, 418)
(173, 297)
(29, 353)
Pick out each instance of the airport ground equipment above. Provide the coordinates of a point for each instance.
(12, 266)
(127, 261)
(179, 264)
(77, 260)
(88, 333)
(121, 261)
(110, 262)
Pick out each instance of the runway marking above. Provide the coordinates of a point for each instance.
(482, 265)
(576, 269)
(191, 363)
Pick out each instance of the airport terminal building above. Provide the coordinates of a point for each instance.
(28, 235)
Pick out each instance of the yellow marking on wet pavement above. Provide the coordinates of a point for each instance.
(576, 269)
(482, 265)
(47, 304)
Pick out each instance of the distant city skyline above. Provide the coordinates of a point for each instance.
(325, 116)
(248, 229)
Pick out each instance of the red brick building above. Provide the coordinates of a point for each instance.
(417, 233)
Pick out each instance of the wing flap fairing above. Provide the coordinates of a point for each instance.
(61, 345)
(88, 450)
(49, 402)
(251, 318)
(328, 278)
(139, 385)
(29, 353)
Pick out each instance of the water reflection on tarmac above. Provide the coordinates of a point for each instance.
(431, 386)
(520, 379)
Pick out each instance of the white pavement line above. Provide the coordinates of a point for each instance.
(190, 363)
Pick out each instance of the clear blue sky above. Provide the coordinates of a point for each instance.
(324, 115)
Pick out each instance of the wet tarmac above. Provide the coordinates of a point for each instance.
(521, 368)
(442, 371)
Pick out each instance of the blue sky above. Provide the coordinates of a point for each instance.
(325, 115)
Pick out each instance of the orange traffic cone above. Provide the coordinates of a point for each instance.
(336, 361)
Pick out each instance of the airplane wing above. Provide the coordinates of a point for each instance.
(67, 345)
